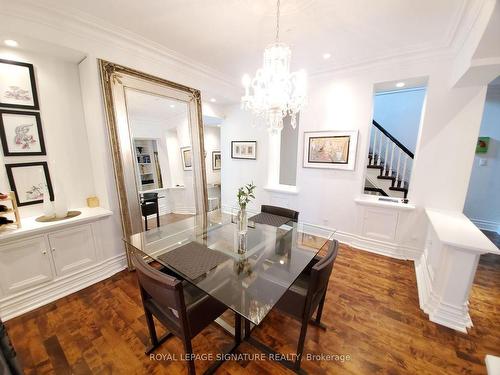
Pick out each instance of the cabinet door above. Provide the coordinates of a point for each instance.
(72, 249)
(24, 264)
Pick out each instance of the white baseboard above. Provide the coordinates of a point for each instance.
(184, 210)
(388, 249)
(492, 226)
(455, 317)
(28, 300)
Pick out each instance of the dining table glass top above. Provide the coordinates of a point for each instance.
(247, 271)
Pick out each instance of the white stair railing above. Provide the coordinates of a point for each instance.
(394, 158)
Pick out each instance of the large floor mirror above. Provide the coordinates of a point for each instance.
(156, 132)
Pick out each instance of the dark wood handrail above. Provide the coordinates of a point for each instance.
(388, 135)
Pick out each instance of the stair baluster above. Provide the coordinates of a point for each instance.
(398, 164)
(404, 172)
(391, 167)
(372, 161)
(380, 149)
(385, 157)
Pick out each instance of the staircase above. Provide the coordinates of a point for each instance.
(389, 165)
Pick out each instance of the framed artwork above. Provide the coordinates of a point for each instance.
(216, 160)
(187, 158)
(244, 150)
(482, 145)
(17, 85)
(330, 149)
(21, 133)
(28, 181)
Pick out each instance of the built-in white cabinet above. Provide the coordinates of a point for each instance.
(42, 262)
(24, 264)
(72, 249)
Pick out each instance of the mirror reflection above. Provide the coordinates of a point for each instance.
(161, 139)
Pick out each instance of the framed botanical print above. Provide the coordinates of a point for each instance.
(330, 149)
(216, 160)
(244, 150)
(17, 85)
(187, 158)
(21, 133)
(28, 181)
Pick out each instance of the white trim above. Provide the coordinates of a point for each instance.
(284, 189)
(489, 225)
(368, 200)
(28, 300)
(439, 312)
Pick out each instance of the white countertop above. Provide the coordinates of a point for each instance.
(455, 229)
(29, 225)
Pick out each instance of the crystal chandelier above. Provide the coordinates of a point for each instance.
(274, 92)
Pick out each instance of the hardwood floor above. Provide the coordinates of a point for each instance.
(166, 219)
(371, 311)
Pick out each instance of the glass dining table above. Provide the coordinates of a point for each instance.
(248, 271)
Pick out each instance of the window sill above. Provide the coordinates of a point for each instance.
(365, 201)
(284, 189)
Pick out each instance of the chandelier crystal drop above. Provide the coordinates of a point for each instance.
(274, 92)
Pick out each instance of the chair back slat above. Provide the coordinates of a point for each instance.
(280, 211)
(166, 291)
(321, 271)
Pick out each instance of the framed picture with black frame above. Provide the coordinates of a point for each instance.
(17, 85)
(216, 160)
(29, 181)
(21, 133)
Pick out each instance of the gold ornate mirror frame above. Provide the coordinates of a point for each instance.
(114, 79)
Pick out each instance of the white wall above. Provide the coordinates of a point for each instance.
(399, 113)
(61, 112)
(482, 205)
(212, 143)
(344, 102)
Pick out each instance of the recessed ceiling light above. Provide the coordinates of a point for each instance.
(218, 125)
(172, 105)
(213, 100)
(10, 43)
(400, 84)
(326, 56)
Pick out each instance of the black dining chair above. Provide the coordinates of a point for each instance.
(280, 211)
(181, 307)
(149, 206)
(308, 293)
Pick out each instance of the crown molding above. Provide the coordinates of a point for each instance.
(84, 25)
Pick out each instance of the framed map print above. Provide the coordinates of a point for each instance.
(330, 149)
(17, 85)
(21, 133)
(28, 181)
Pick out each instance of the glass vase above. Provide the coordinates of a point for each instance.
(242, 220)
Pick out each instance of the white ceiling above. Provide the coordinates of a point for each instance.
(229, 35)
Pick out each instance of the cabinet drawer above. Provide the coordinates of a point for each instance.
(72, 249)
(24, 264)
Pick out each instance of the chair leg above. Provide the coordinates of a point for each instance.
(320, 309)
(151, 327)
(300, 346)
(157, 219)
(189, 353)
(146, 223)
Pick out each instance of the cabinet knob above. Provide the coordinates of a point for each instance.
(44, 252)
(53, 249)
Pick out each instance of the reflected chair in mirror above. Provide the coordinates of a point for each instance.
(308, 293)
(149, 206)
(280, 211)
(181, 307)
